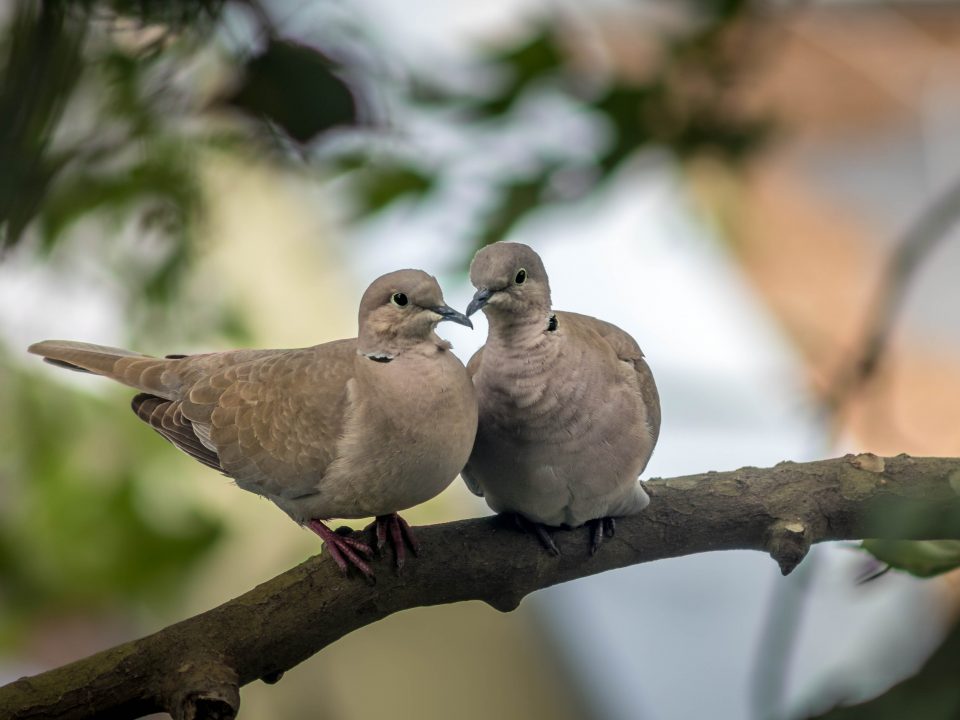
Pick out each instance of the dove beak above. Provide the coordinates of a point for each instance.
(448, 313)
(479, 300)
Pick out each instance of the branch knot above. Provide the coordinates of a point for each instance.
(204, 688)
(788, 542)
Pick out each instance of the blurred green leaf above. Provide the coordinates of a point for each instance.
(297, 88)
(234, 327)
(378, 187)
(122, 75)
(81, 534)
(923, 558)
(931, 694)
(654, 114)
(516, 200)
(525, 64)
(161, 189)
(41, 63)
(165, 178)
(719, 10)
(630, 112)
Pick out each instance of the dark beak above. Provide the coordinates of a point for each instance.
(479, 300)
(448, 313)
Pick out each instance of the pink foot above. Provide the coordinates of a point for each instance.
(400, 534)
(344, 550)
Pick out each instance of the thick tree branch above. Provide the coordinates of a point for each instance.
(193, 669)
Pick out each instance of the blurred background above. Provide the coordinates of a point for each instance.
(763, 193)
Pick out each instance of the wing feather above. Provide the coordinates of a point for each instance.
(628, 351)
(275, 421)
(166, 418)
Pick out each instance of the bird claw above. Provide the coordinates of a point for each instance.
(345, 550)
(540, 530)
(400, 534)
(599, 529)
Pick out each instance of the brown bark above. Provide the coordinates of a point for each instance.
(193, 669)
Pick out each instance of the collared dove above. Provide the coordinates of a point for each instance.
(347, 429)
(569, 412)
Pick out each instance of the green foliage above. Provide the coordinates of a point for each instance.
(380, 186)
(137, 157)
(140, 159)
(923, 558)
(40, 65)
(682, 106)
(534, 59)
(78, 532)
(130, 163)
(517, 198)
(297, 88)
(165, 179)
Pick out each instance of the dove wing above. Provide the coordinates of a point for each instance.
(628, 351)
(275, 422)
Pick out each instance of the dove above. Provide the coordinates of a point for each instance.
(569, 411)
(361, 427)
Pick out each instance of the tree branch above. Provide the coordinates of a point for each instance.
(193, 669)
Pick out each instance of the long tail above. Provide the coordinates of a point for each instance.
(143, 372)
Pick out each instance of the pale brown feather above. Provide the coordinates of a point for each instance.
(569, 412)
(322, 431)
(271, 437)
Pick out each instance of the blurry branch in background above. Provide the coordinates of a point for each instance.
(916, 246)
(194, 669)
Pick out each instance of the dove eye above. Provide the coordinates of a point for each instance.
(399, 299)
(521, 276)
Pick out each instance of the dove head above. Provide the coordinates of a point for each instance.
(400, 310)
(510, 281)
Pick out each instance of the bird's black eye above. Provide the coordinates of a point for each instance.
(521, 276)
(398, 299)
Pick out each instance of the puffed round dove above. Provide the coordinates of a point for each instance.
(353, 428)
(569, 411)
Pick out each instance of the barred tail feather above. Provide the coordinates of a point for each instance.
(136, 370)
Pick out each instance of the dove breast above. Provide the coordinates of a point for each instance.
(568, 421)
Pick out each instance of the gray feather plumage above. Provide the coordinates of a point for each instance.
(569, 410)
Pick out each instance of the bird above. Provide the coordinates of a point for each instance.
(359, 427)
(569, 410)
